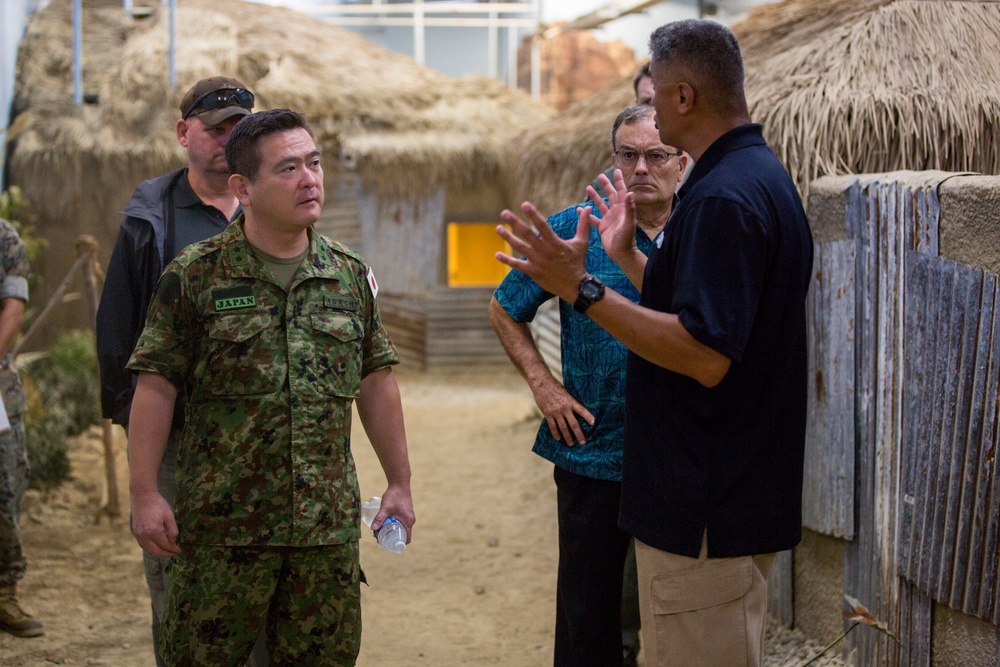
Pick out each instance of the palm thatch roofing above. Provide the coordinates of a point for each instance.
(408, 127)
(841, 87)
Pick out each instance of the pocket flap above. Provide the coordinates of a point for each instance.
(341, 326)
(711, 583)
(237, 328)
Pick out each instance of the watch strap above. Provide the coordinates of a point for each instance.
(590, 291)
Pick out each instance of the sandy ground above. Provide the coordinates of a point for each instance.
(475, 587)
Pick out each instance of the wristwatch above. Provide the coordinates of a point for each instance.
(591, 290)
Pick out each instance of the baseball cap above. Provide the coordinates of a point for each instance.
(215, 99)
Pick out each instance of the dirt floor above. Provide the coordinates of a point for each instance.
(475, 587)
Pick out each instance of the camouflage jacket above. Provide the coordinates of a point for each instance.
(13, 284)
(270, 376)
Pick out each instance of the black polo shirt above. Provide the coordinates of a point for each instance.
(734, 265)
(194, 220)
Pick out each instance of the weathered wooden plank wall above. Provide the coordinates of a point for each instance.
(926, 420)
(405, 320)
(862, 558)
(404, 241)
(458, 328)
(341, 216)
(828, 498)
(914, 618)
(951, 489)
(447, 326)
(780, 589)
(887, 216)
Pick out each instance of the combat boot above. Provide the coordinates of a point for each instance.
(12, 617)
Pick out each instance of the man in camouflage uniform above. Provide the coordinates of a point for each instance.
(13, 457)
(164, 215)
(272, 331)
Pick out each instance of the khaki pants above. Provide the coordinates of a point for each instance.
(702, 612)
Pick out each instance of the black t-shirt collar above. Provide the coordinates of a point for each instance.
(751, 134)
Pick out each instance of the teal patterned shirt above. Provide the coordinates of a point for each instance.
(593, 363)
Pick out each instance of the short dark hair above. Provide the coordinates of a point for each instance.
(639, 75)
(243, 155)
(628, 117)
(710, 51)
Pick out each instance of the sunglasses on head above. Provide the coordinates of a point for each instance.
(221, 98)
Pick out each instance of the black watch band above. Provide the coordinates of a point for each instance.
(590, 291)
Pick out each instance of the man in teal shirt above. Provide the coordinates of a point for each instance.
(585, 414)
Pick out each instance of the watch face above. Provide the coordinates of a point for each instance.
(590, 289)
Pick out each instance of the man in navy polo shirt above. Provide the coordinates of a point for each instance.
(584, 425)
(716, 377)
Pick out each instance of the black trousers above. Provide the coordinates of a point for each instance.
(592, 552)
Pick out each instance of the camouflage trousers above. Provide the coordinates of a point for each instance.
(219, 598)
(157, 578)
(13, 482)
(157, 570)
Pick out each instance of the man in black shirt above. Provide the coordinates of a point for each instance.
(164, 215)
(716, 378)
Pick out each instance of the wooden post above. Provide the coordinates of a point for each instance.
(86, 250)
(53, 300)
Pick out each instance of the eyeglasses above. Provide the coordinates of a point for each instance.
(655, 158)
(219, 99)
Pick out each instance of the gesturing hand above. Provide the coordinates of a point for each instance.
(617, 222)
(557, 265)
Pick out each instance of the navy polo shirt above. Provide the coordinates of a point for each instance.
(734, 265)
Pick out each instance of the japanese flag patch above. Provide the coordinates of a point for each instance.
(372, 283)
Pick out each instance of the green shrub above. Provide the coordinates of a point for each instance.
(61, 384)
(47, 453)
(65, 378)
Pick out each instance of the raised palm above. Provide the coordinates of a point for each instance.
(617, 222)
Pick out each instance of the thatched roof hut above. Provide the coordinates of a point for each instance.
(381, 107)
(399, 129)
(559, 158)
(841, 86)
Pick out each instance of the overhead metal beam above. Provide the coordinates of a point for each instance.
(77, 52)
(408, 8)
(437, 22)
(597, 18)
(172, 56)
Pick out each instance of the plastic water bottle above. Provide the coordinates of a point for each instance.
(369, 509)
(391, 534)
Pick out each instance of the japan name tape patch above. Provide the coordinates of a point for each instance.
(233, 298)
(372, 283)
